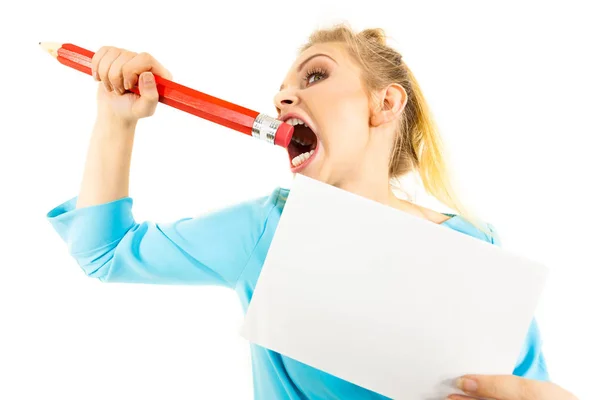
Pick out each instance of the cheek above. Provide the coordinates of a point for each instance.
(348, 125)
(343, 113)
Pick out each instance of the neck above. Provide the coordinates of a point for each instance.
(370, 179)
(380, 191)
(375, 188)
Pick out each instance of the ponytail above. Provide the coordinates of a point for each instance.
(431, 163)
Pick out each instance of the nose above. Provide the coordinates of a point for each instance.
(285, 98)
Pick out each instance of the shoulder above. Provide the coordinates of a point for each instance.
(255, 210)
(434, 216)
(478, 229)
(242, 222)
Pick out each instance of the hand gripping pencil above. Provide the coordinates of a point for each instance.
(249, 122)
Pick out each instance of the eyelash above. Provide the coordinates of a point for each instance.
(314, 71)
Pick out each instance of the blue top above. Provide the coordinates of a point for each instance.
(227, 248)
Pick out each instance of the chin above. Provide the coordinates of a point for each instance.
(312, 173)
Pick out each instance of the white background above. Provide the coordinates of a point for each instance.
(514, 88)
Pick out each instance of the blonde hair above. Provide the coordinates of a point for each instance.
(418, 145)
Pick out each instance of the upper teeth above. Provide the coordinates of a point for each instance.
(295, 121)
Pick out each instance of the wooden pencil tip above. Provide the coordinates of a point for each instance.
(51, 47)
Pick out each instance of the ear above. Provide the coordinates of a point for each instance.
(392, 101)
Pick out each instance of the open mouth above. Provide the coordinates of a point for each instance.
(303, 145)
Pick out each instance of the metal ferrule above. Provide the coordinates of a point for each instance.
(264, 128)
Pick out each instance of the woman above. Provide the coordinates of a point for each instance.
(361, 120)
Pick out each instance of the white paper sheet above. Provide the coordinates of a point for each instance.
(403, 306)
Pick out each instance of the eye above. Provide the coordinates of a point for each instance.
(315, 75)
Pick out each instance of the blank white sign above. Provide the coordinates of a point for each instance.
(387, 300)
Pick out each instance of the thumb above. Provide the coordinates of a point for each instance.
(511, 387)
(146, 104)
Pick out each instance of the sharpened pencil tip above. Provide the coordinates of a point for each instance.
(51, 48)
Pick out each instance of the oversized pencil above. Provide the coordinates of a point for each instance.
(173, 94)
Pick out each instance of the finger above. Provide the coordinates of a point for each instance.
(96, 61)
(115, 73)
(460, 397)
(146, 104)
(142, 62)
(104, 66)
(501, 387)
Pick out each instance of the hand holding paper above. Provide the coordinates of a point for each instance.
(387, 300)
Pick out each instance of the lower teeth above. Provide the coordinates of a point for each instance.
(301, 158)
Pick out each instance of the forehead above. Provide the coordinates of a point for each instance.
(335, 50)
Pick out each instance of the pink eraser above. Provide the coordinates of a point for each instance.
(284, 134)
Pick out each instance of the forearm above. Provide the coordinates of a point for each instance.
(108, 161)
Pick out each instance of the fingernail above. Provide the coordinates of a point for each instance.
(148, 78)
(126, 85)
(466, 385)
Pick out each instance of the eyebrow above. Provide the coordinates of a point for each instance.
(303, 63)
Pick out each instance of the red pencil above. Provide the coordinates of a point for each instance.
(222, 112)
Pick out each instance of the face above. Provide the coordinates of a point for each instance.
(323, 96)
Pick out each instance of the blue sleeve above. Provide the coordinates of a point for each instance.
(531, 363)
(108, 244)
